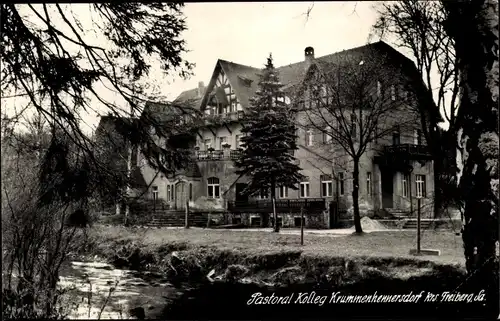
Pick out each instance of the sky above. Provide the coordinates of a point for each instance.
(247, 33)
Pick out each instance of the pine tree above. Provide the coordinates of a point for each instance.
(269, 141)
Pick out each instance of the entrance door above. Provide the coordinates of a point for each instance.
(387, 188)
(240, 197)
(180, 195)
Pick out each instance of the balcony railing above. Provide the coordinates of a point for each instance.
(400, 156)
(410, 149)
(310, 205)
(222, 118)
(217, 155)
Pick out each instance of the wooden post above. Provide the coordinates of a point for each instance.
(418, 225)
(302, 226)
(186, 224)
(410, 192)
(275, 216)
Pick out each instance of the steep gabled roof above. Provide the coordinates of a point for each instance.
(244, 79)
(189, 98)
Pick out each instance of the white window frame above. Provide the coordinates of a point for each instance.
(369, 186)
(154, 191)
(213, 187)
(237, 140)
(405, 186)
(305, 190)
(341, 178)
(222, 140)
(417, 135)
(420, 186)
(207, 143)
(283, 192)
(354, 125)
(168, 193)
(262, 195)
(329, 188)
(309, 137)
(327, 135)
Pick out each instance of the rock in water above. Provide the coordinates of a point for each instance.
(137, 313)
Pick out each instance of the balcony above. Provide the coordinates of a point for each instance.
(310, 205)
(220, 119)
(399, 157)
(217, 155)
(411, 150)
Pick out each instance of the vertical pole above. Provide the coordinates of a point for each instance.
(186, 223)
(410, 192)
(275, 216)
(302, 226)
(418, 225)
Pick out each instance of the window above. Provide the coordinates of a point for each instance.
(420, 183)
(327, 135)
(190, 191)
(354, 120)
(379, 89)
(309, 137)
(396, 139)
(222, 141)
(406, 181)
(283, 192)
(280, 221)
(341, 183)
(393, 93)
(207, 143)
(237, 139)
(172, 192)
(168, 194)
(155, 192)
(326, 186)
(213, 187)
(299, 221)
(417, 137)
(369, 183)
(263, 194)
(255, 221)
(304, 189)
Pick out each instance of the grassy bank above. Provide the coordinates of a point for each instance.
(259, 261)
(273, 258)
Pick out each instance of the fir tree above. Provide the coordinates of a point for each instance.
(269, 141)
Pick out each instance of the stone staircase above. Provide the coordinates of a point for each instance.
(174, 218)
(412, 224)
(396, 213)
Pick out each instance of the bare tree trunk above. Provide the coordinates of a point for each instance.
(127, 190)
(474, 26)
(129, 170)
(355, 197)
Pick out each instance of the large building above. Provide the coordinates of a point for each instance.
(394, 170)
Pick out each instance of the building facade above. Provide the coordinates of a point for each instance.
(394, 171)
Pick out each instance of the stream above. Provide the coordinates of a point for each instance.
(146, 295)
(89, 285)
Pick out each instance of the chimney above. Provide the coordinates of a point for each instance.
(201, 88)
(308, 55)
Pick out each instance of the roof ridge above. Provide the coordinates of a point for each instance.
(235, 63)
